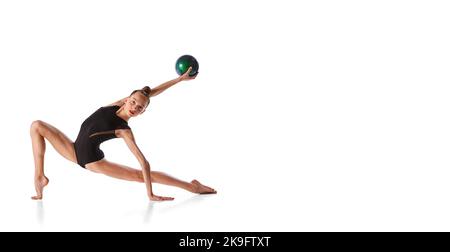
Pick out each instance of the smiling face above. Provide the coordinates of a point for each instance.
(136, 104)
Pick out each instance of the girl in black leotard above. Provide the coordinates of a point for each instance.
(107, 123)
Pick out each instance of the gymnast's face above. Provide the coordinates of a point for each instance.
(136, 104)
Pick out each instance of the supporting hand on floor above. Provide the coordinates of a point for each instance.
(159, 198)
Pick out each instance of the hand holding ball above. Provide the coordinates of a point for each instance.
(184, 62)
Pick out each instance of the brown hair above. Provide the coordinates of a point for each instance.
(145, 91)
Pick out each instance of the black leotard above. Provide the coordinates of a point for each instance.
(96, 129)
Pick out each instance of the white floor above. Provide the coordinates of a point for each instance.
(327, 200)
(124, 206)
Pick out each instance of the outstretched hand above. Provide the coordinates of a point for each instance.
(159, 198)
(186, 76)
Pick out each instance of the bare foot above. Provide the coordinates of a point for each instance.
(202, 189)
(39, 184)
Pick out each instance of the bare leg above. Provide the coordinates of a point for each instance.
(40, 180)
(40, 131)
(127, 173)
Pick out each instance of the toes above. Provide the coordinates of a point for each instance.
(202, 189)
(210, 189)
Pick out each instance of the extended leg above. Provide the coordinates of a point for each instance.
(127, 173)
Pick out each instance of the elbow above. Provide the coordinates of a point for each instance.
(145, 165)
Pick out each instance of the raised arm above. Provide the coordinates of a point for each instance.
(161, 88)
(129, 139)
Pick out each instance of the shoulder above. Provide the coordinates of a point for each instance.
(107, 108)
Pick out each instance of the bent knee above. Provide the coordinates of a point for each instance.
(36, 126)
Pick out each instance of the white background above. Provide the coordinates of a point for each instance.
(306, 115)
